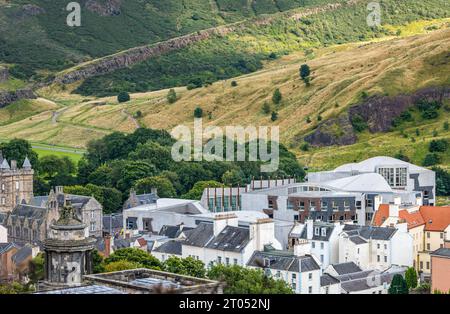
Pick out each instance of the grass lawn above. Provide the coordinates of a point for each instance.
(47, 150)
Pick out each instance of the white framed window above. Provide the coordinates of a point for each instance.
(310, 276)
(3, 200)
(227, 261)
(235, 261)
(3, 187)
(92, 226)
(219, 259)
(17, 185)
(324, 232)
(317, 231)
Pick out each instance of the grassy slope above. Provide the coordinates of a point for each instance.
(340, 74)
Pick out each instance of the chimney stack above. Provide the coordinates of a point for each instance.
(309, 228)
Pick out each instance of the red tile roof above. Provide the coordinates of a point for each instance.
(437, 218)
(413, 219)
(381, 215)
(142, 242)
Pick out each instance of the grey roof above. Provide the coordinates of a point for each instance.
(149, 198)
(122, 243)
(201, 235)
(444, 252)
(370, 232)
(93, 289)
(232, 239)
(357, 240)
(5, 165)
(115, 222)
(22, 254)
(283, 260)
(327, 280)
(4, 247)
(346, 268)
(38, 200)
(28, 211)
(329, 230)
(173, 232)
(364, 280)
(170, 247)
(26, 163)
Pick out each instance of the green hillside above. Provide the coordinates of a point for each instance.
(245, 50)
(34, 34)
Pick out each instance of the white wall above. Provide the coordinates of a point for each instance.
(3, 234)
(402, 247)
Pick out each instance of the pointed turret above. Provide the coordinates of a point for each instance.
(5, 165)
(26, 164)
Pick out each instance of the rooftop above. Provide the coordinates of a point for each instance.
(346, 268)
(370, 164)
(442, 252)
(283, 260)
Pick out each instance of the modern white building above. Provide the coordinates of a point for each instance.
(225, 242)
(376, 248)
(405, 179)
(323, 238)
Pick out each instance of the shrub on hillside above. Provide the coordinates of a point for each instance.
(438, 145)
(171, 96)
(123, 97)
(198, 112)
(431, 160)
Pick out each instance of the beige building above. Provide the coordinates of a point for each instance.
(428, 225)
(16, 184)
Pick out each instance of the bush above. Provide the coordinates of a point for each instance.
(304, 71)
(304, 147)
(442, 181)
(308, 120)
(234, 84)
(123, 97)
(171, 96)
(198, 112)
(431, 160)
(438, 146)
(276, 98)
(358, 123)
(274, 116)
(445, 127)
(266, 108)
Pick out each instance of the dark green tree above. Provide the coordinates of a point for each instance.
(411, 278)
(438, 145)
(240, 280)
(162, 184)
(431, 160)
(185, 266)
(197, 190)
(123, 97)
(442, 181)
(171, 96)
(274, 116)
(277, 97)
(134, 255)
(398, 285)
(198, 112)
(266, 107)
(304, 71)
(18, 149)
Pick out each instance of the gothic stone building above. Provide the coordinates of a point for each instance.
(31, 222)
(16, 185)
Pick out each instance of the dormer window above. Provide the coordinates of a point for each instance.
(317, 231)
(324, 232)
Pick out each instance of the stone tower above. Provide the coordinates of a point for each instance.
(16, 184)
(68, 250)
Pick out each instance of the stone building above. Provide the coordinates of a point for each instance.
(16, 185)
(30, 222)
(68, 250)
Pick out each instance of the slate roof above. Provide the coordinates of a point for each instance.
(201, 235)
(170, 247)
(4, 247)
(370, 232)
(22, 254)
(116, 222)
(319, 224)
(149, 198)
(232, 239)
(357, 240)
(346, 268)
(442, 252)
(173, 232)
(327, 280)
(364, 280)
(282, 260)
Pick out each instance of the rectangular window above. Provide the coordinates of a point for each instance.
(346, 204)
(270, 203)
(313, 244)
(428, 265)
(378, 258)
(324, 205)
(324, 232)
(312, 205)
(316, 231)
(290, 205)
(92, 226)
(310, 289)
(235, 261)
(421, 265)
(227, 261)
(428, 247)
(310, 276)
(17, 185)
(385, 259)
(302, 205)
(321, 258)
(378, 246)
(321, 245)
(335, 205)
(219, 259)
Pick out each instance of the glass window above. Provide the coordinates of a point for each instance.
(290, 205)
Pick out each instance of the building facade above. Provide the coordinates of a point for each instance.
(16, 184)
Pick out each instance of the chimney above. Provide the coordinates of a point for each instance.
(13, 165)
(262, 232)
(309, 228)
(59, 190)
(402, 227)
(393, 210)
(107, 245)
(397, 200)
(223, 220)
(154, 191)
(302, 248)
(419, 201)
(377, 201)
